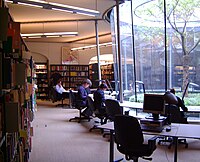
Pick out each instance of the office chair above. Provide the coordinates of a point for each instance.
(112, 109)
(55, 97)
(129, 139)
(97, 113)
(174, 115)
(76, 104)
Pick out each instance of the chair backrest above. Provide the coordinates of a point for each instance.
(128, 133)
(175, 115)
(113, 108)
(72, 98)
(90, 103)
(54, 95)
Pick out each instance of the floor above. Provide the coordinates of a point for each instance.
(55, 139)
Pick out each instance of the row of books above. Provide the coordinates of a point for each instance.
(69, 68)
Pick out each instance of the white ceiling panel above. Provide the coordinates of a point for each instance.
(43, 20)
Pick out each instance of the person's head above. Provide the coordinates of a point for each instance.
(103, 86)
(172, 90)
(86, 83)
(59, 82)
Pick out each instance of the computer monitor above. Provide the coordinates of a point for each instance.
(155, 104)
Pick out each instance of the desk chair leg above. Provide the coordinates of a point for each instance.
(96, 128)
(80, 118)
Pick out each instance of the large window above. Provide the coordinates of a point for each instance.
(159, 47)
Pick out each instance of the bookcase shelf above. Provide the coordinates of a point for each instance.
(42, 78)
(107, 73)
(16, 90)
(72, 75)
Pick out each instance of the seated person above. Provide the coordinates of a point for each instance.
(99, 98)
(180, 102)
(177, 102)
(82, 97)
(61, 91)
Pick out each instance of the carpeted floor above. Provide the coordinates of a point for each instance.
(58, 140)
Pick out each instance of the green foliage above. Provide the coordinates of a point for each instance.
(140, 98)
(192, 100)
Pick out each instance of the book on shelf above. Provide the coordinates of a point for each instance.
(12, 117)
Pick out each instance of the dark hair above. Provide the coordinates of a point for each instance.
(172, 90)
(88, 81)
(103, 85)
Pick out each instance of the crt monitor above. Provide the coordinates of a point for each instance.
(155, 104)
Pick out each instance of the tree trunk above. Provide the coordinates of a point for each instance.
(185, 73)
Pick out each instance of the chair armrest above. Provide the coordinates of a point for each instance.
(152, 143)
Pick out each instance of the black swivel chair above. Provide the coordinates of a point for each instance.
(174, 115)
(112, 109)
(129, 139)
(98, 114)
(76, 104)
(55, 97)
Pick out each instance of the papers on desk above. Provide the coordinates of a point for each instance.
(109, 97)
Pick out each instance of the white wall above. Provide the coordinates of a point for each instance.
(53, 51)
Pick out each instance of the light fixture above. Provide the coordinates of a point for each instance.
(92, 46)
(56, 6)
(49, 35)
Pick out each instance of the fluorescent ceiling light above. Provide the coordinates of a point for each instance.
(56, 9)
(32, 5)
(74, 8)
(56, 6)
(91, 46)
(85, 14)
(33, 37)
(53, 34)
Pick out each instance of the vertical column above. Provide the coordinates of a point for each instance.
(119, 54)
(98, 50)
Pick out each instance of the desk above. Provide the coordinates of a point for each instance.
(132, 105)
(177, 131)
(139, 106)
(70, 97)
(193, 109)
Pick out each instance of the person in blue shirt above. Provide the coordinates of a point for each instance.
(82, 97)
(99, 98)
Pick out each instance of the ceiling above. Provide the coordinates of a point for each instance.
(37, 20)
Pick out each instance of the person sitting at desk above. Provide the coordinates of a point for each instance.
(59, 87)
(99, 98)
(180, 102)
(172, 99)
(60, 90)
(82, 97)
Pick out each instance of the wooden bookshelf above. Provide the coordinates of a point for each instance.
(42, 79)
(16, 108)
(107, 73)
(72, 75)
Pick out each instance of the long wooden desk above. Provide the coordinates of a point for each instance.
(177, 131)
(137, 105)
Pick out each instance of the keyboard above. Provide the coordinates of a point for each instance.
(151, 129)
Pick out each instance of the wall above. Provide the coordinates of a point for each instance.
(53, 51)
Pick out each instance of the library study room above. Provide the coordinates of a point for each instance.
(99, 80)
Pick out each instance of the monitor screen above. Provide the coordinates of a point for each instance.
(155, 104)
